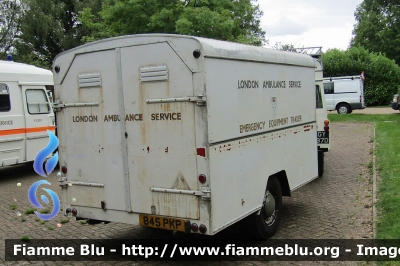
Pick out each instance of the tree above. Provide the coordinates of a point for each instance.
(49, 27)
(378, 27)
(285, 47)
(10, 12)
(382, 74)
(237, 21)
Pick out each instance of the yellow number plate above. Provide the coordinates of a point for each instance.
(162, 222)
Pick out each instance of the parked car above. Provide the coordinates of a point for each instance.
(395, 102)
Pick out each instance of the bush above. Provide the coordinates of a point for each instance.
(382, 74)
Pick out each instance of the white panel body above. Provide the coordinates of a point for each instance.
(165, 117)
(246, 143)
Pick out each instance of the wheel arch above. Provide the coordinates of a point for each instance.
(283, 180)
(340, 103)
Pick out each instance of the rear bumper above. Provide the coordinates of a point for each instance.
(357, 106)
(395, 105)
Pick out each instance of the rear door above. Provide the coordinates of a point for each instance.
(39, 118)
(329, 95)
(159, 122)
(362, 92)
(119, 149)
(91, 133)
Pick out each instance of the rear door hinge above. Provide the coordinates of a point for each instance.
(207, 192)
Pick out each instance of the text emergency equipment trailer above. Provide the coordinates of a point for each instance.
(25, 112)
(183, 133)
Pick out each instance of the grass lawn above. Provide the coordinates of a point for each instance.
(388, 166)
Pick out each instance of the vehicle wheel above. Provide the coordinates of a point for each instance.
(320, 163)
(343, 109)
(264, 224)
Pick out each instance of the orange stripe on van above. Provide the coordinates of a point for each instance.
(26, 130)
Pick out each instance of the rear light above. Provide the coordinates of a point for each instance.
(195, 227)
(360, 98)
(64, 169)
(326, 128)
(202, 179)
(74, 212)
(326, 122)
(396, 98)
(67, 210)
(203, 229)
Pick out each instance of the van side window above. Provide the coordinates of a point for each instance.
(329, 88)
(37, 102)
(319, 97)
(5, 103)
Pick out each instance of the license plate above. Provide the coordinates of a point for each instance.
(323, 137)
(162, 222)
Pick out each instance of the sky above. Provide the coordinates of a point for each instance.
(309, 23)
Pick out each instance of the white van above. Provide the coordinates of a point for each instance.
(25, 111)
(344, 94)
(183, 133)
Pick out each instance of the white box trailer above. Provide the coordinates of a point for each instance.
(25, 111)
(183, 133)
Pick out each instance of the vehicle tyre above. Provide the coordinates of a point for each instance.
(264, 224)
(343, 108)
(320, 163)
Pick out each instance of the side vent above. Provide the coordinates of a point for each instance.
(153, 73)
(86, 80)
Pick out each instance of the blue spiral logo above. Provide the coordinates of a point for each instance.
(42, 155)
(34, 201)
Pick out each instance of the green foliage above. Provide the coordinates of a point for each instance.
(30, 211)
(49, 27)
(285, 47)
(382, 74)
(10, 13)
(45, 211)
(236, 21)
(13, 206)
(64, 221)
(25, 238)
(378, 27)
